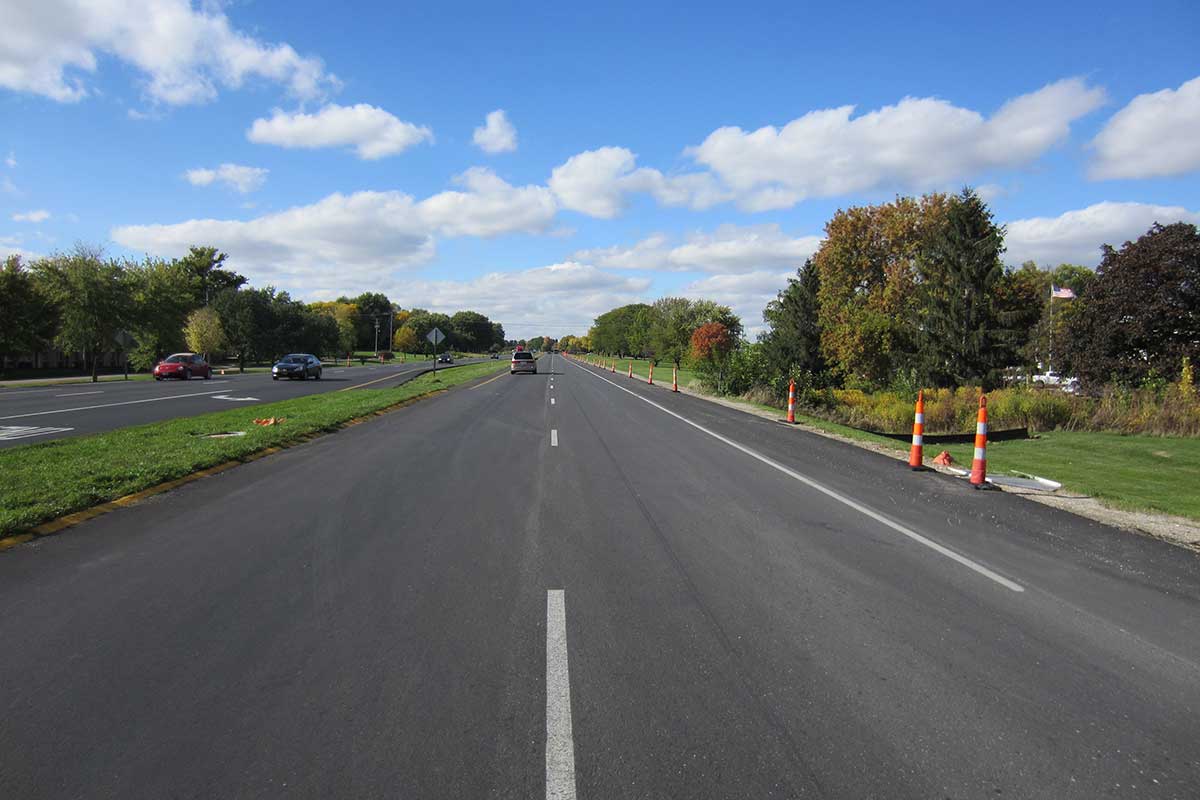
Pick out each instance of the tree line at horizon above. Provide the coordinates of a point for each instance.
(81, 302)
(915, 293)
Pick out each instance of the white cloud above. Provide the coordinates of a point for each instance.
(1156, 135)
(598, 183)
(373, 132)
(11, 160)
(918, 143)
(730, 249)
(8, 187)
(352, 239)
(1075, 236)
(489, 207)
(497, 135)
(40, 215)
(11, 246)
(552, 300)
(747, 294)
(236, 176)
(183, 53)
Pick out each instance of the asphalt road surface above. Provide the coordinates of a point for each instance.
(572, 585)
(52, 412)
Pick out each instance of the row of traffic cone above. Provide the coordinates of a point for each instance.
(916, 454)
(978, 462)
(611, 366)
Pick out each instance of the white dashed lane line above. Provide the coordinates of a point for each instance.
(560, 741)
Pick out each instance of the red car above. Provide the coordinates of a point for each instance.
(184, 366)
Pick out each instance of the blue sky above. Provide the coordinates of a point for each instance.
(642, 150)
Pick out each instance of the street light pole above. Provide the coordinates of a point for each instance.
(377, 336)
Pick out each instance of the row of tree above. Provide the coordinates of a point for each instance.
(915, 293)
(661, 331)
(82, 302)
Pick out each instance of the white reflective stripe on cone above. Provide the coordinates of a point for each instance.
(919, 418)
(981, 428)
(918, 439)
(980, 454)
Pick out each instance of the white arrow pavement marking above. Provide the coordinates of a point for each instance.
(560, 742)
(554, 437)
(551, 401)
(10, 432)
(111, 405)
(227, 397)
(830, 493)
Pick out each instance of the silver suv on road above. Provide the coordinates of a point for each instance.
(522, 361)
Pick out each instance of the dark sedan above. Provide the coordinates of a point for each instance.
(297, 365)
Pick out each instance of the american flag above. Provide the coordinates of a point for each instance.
(1063, 293)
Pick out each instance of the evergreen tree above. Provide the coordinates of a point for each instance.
(960, 334)
(794, 340)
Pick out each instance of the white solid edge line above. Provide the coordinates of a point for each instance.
(560, 742)
(832, 494)
(554, 437)
(113, 405)
(80, 394)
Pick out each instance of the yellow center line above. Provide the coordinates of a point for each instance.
(377, 380)
(489, 380)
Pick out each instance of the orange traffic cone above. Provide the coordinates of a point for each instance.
(791, 418)
(631, 369)
(979, 464)
(651, 381)
(916, 458)
(614, 366)
(674, 379)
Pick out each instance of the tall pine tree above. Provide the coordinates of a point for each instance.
(794, 341)
(960, 333)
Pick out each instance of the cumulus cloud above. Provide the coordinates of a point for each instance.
(40, 215)
(1156, 135)
(599, 182)
(182, 53)
(1076, 236)
(747, 294)
(730, 249)
(11, 160)
(497, 134)
(10, 246)
(371, 131)
(236, 176)
(552, 300)
(352, 238)
(489, 207)
(917, 143)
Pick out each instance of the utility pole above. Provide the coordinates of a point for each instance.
(376, 335)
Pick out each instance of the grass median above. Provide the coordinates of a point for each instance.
(40, 482)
